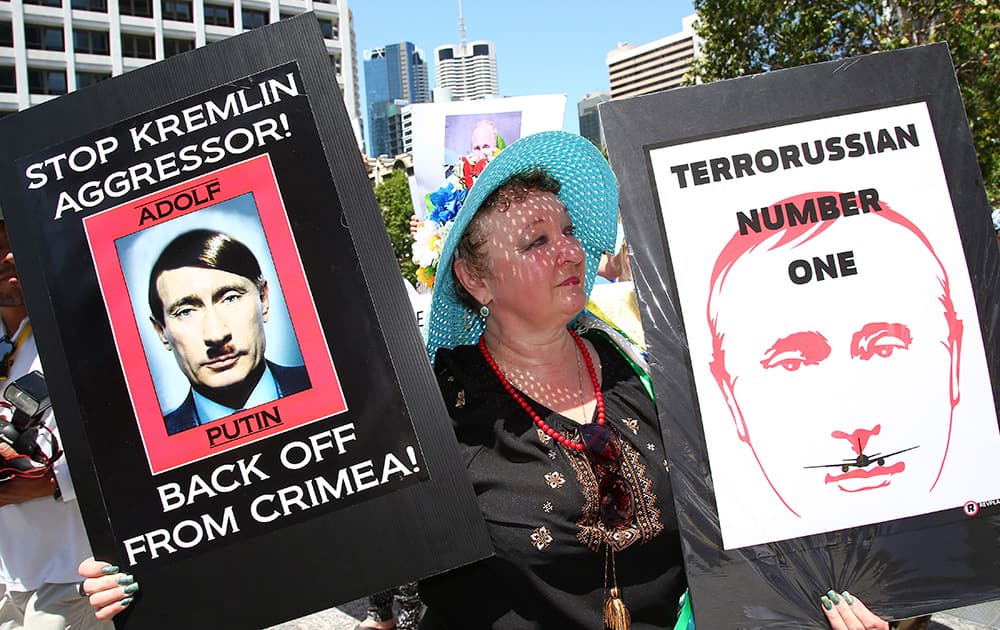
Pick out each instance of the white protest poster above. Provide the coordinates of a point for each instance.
(445, 134)
(834, 338)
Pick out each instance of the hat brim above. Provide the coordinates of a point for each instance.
(588, 190)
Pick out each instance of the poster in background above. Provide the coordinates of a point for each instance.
(818, 281)
(444, 133)
(246, 141)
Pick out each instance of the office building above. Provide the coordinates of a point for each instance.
(590, 120)
(658, 65)
(468, 71)
(51, 47)
(395, 76)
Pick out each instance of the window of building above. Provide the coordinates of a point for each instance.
(138, 8)
(481, 50)
(329, 28)
(46, 81)
(100, 6)
(44, 3)
(446, 54)
(6, 34)
(173, 46)
(93, 42)
(43, 37)
(253, 18)
(179, 10)
(7, 80)
(218, 16)
(141, 46)
(84, 79)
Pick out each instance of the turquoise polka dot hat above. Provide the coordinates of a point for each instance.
(589, 191)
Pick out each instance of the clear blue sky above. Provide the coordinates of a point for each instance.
(543, 46)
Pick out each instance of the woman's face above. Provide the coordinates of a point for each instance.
(535, 266)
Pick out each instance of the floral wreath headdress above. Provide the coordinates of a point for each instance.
(442, 207)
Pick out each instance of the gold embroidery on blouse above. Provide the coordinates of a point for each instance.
(646, 518)
(541, 538)
(555, 479)
(632, 424)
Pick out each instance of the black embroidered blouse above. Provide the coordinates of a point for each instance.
(539, 501)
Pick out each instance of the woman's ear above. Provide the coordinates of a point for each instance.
(472, 281)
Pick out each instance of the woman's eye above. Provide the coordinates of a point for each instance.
(538, 242)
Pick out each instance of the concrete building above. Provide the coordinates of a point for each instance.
(51, 47)
(658, 65)
(590, 120)
(468, 71)
(395, 75)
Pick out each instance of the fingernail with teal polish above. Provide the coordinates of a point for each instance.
(108, 570)
(125, 580)
(826, 602)
(833, 597)
(848, 598)
(131, 588)
(125, 602)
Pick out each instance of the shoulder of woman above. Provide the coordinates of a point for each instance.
(461, 378)
(464, 380)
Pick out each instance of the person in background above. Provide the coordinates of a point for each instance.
(996, 223)
(42, 538)
(380, 615)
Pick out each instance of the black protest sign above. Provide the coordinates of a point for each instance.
(217, 307)
(814, 255)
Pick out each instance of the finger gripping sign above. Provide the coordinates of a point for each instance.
(217, 310)
(805, 270)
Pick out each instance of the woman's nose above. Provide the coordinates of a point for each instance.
(571, 251)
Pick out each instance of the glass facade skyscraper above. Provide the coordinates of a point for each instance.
(395, 75)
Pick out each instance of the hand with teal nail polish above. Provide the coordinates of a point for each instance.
(846, 612)
(108, 590)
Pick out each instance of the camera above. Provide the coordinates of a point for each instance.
(28, 395)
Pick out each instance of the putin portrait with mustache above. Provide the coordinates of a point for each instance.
(209, 301)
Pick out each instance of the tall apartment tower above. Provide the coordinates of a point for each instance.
(468, 71)
(51, 47)
(658, 65)
(395, 76)
(590, 120)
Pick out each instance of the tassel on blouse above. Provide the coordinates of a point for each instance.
(616, 616)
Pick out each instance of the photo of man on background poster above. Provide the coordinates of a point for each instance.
(209, 301)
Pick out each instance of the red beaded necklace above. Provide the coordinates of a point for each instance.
(549, 431)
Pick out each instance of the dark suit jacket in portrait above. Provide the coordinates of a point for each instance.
(289, 380)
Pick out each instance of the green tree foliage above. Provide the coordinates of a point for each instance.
(393, 196)
(750, 36)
